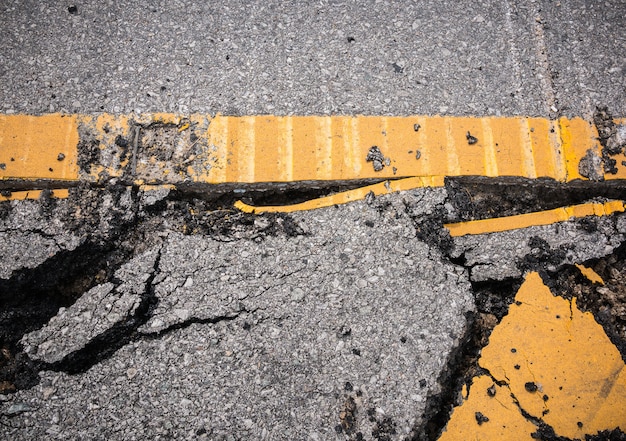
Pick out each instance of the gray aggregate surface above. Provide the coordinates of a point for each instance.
(322, 325)
(587, 56)
(272, 338)
(376, 57)
(28, 239)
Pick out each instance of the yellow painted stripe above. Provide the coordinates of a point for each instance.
(527, 156)
(172, 149)
(347, 196)
(59, 193)
(39, 147)
(590, 274)
(534, 219)
(577, 137)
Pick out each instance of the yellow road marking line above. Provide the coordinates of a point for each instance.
(555, 362)
(491, 163)
(39, 147)
(528, 160)
(266, 148)
(299, 148)
(59, 193)
(534, 219)
(347, 196)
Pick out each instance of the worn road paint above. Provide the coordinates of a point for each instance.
(526, 220)
(557, 365)
(488, 413)
(590, 274)
(203, 149)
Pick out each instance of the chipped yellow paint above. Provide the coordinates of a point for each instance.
(347, 196)
(105, 129)
(60, 193)
(486, 399)
(165, 148)
(590, 274)
(621, 169)
(39, 147)
(526, 220)
(556, 362)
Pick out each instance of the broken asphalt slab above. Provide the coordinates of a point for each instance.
(334, 322)
(339, 322)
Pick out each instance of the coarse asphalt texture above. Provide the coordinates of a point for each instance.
(128, 313)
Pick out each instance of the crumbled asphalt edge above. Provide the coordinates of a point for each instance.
(609, 138)
(475, 198)
(478, 198)
(30, 297)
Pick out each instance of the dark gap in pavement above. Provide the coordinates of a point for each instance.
(492, 301)
(220, 220)
(107, 343)
(476, 198)
(265, 193)
(189, 322)
(31, 297)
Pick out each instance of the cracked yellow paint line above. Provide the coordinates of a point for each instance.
(175, 149)
(347, 196)
(555, 363)
(526, 220)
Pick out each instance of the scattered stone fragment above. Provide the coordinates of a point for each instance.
(376, 157)
(17, 408)
(471, 139)
(480, 418)
(591, 167)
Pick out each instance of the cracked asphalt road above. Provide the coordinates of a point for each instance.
(133, 314)
(280, 323)
(200, 321)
